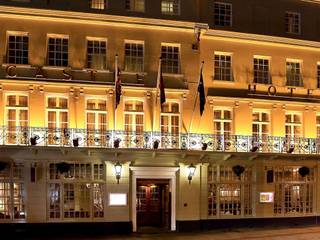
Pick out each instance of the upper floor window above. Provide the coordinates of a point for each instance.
(134, 116)
(98, 4)
(97, 53)
(223, 66)
(170, 7)
(222, 122)
(318, 125)
(170, 55)
(57, 108)
(318, 75)
(293, 125)
(134, 53)
(293, 23)
(222, 14)
(135, 5)
(17, 50)
(293, 73)
(170, 118)
(261, 70)
(260, 124)
(58, 51)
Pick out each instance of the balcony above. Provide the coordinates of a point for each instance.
(84, 138)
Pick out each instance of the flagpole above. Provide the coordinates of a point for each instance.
(115, 90)
(195, 102)
(156, 97)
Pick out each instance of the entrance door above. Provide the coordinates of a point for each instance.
(153, 203)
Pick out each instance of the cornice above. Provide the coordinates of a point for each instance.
(92, 18)
(261, 39)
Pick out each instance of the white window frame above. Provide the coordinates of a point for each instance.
(261, 123)
(127, 41)
(133, 112)
(224, 54)
(133, 5)
(292, 124)
(57, 110)
(7, 107)
(223, 120)
(96, 112)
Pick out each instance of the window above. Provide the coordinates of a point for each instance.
(57, 116)
(261, 70)
(223, 66)
(260, 125)
(80, 192)
(170, 7)
(170, 58)
(228, 194)
(97, 54)
(293, 193)
(17, 49)
(293, 70)
(222, 14)
(134, 53)
(98, 4)
(318, 125)
(318, 75)
(292, 20)
(293, 125)
(58, 51)
(134, 123)
(96, 122)
(17, 119)
(135, 5)
(12, 192)
(222, 122)
(170, 124)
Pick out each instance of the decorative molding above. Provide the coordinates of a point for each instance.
(31, 88)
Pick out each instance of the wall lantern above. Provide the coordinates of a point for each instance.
(156, 144)
(192, 170)
(33, 140)
(304, 171)
(117, 169)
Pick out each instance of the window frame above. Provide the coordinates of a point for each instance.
(173, 45)
(224, 19)
(294, 61)
(222, 109)
(263, 58)
(174, 3)
(21, 34)
(101, 4)
(292, 125)
(224, 69)
(56, 36)
(142, 42)
(98, 39)
(289, 28)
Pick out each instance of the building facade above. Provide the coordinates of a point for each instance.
(69, 154)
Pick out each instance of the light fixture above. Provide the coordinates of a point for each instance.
(116, 143)
(33, 140)
(156, 144)
(75, 142)
(204, 146)
(117, 169)
(291, 149)
(192, 170)
(254, 149)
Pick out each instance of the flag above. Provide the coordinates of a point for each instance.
(118, 87)
(202, 95)
(161, 87)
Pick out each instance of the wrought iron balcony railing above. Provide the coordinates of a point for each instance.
(71, 137)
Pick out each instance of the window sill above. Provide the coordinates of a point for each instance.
(175, 75)
(134, 73)
(92, 69)
(223, 81)
(55, 67)
(17, 65)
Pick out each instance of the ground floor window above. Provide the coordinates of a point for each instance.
(12, 199)
(229, 194)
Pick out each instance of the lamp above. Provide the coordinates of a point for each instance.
(304, 171)
(116, 143)
(63, 167)
(192, 170)
(75, 142)
(238, 170)
(254, 149)
(156, 144)
(117, 169)
(204, 146)
(33, 140)
(291, 149)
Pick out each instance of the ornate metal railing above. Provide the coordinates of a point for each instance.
(71, 137)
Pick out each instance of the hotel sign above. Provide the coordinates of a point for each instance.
(272, 91)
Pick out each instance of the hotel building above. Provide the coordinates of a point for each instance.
(68, 156)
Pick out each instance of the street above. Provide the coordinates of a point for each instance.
(297, 233)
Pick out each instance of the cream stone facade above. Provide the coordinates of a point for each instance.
(255, 148)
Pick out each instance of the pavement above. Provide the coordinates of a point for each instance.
(292, 233)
